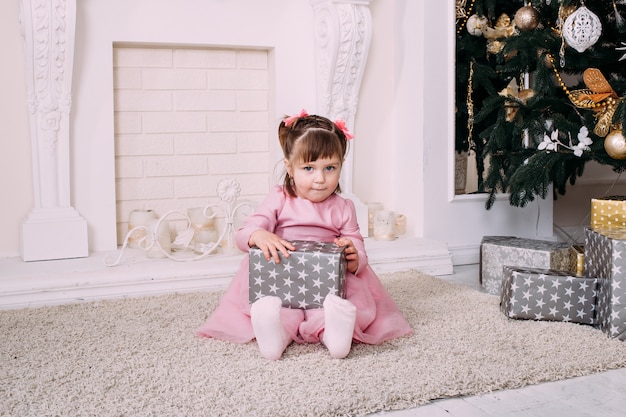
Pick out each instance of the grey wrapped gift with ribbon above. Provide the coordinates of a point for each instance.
(313, 270)
(545, 294)
(605, 258)
(498, 251)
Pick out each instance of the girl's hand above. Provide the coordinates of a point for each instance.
(352, 255)
(270, 244)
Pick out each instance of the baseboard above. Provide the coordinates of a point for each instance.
(32, 284)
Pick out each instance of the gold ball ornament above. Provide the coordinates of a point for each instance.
(615, 144)
(526, 18)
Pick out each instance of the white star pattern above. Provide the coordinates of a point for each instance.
(548, 295)
(603, 258)
(314, 270)
(496, 251)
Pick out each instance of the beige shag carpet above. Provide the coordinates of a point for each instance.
(140, 357)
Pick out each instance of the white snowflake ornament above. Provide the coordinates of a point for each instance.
(582, 29)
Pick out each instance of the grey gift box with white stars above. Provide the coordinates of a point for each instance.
(545, 294)
(497, 251)
(605, 258)
(313, 270)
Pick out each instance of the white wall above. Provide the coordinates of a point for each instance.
(15, 167)
(403, 127)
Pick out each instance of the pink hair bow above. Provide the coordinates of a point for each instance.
(289, 120)
(341, 124)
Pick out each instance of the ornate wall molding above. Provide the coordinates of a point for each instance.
(53, 230)
(343, 31)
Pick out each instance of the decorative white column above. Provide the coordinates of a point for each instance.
(343, 30)
(53, 229)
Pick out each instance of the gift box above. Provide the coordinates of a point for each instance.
(578, 259)
(608, 212)
(497, 251)
(313, 270)
(546, 294)
(605, 258)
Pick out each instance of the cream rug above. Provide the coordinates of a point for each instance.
(139, 357)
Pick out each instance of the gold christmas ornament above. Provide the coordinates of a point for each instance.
(615, 144)
(599, 97)
(527, 18)
(512, 90)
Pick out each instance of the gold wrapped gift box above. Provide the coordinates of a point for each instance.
(608, 212)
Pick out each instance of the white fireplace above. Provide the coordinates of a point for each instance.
(316, 53)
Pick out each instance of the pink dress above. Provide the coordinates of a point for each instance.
(378, 317)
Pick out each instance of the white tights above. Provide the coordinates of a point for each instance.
(273, 339)
(339, 318)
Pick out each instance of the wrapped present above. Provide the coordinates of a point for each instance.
(313, 270)
(545, 294)
(578, 259)
(497, 251)
(608, 212)
(605, 258)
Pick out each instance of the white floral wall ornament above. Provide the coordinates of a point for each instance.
(228, 190)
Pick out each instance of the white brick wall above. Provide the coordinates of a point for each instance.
(185, 118)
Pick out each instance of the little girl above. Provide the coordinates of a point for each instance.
(307, 207)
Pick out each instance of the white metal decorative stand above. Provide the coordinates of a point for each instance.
(228, 190)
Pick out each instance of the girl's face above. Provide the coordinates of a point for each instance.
(316, 180)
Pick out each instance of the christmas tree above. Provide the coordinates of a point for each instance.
(540, 90)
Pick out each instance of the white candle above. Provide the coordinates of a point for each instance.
(136, 218)
(203, 226)
(372, 208)
(385, 225)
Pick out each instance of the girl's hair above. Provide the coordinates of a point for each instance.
(309, 138)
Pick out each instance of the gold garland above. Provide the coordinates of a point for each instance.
(599, 97)
(470, 104)
(575, 98)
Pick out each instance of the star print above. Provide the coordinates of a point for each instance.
(317, 298)
(311, 280)
(302, 289)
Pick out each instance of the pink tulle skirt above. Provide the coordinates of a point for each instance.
(378, 317)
